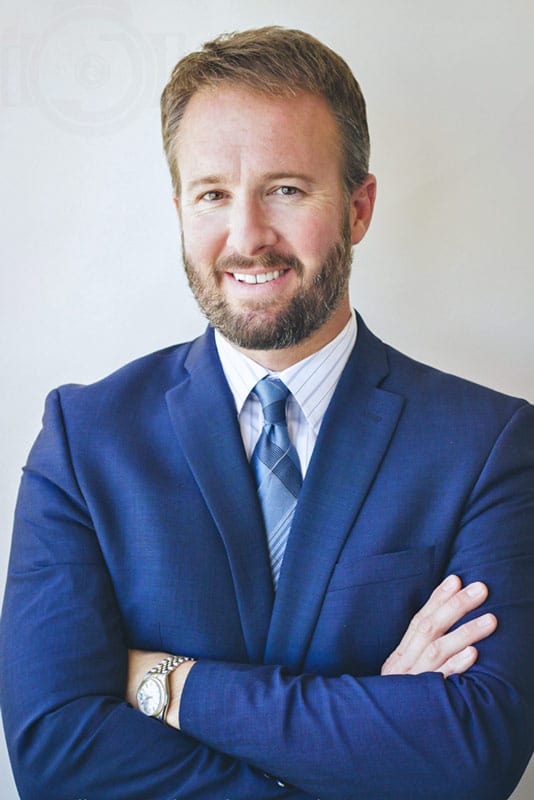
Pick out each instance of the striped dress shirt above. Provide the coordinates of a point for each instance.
(312, 383)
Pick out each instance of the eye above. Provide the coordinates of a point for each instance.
(212, 196)
(287, 191)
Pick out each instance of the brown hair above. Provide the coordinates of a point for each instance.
(276, 61)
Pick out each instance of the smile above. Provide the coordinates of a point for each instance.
(263, 277)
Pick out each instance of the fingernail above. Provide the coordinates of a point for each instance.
(449, 583)
(465, 655)
(475, 589)
(486, 621)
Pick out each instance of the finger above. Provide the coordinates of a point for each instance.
(441, 595)
(448, 654)
(447, 647)
(427, 627)
(445, 607)
(401, 659)
(460, 662)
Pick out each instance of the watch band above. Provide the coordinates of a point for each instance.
(169, 664)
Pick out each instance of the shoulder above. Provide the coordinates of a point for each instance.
(134, 391)
(437, 398)
(147, 376)
(426, 385)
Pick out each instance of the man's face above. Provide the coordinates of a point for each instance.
(266, 230)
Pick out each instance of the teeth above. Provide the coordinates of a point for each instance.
(264, 277)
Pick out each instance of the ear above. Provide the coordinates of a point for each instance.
(362, 202)
(176, 201)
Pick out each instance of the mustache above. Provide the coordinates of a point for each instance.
(265, 261)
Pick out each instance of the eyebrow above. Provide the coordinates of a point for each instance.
(278, 176)
(206, 180)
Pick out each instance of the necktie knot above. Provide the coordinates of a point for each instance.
(272, 394)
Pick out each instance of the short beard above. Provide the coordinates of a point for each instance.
(265, 327)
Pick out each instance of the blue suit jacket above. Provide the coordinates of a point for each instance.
(137, 525)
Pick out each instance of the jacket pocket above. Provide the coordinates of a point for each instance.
(383, 567)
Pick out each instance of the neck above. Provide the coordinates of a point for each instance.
(278, 360)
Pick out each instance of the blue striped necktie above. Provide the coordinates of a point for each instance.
(277, 469)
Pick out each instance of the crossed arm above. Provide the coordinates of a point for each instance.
(430, 644)
(64, 673)
(305, 729)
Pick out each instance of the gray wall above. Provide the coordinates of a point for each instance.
(90, 267)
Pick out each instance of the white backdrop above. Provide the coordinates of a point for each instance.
(90, 267)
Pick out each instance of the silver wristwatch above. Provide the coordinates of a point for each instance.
(153, 692)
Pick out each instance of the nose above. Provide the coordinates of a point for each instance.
(250, 230)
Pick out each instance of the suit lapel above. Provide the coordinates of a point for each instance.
(352, 442)
(204, 417)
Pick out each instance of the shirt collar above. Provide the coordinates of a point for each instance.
(311, 381)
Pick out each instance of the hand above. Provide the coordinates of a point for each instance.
(429, 645)
(139, 662)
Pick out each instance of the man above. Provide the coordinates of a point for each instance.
(243, 582)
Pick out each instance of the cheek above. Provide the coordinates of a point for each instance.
(203, 238)
(311, 242)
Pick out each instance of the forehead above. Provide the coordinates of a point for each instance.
(228, 124)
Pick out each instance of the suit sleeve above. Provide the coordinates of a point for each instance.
(63, 663)
(422, 737)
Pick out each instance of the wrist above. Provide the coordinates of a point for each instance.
(177, 680)
(156, 690)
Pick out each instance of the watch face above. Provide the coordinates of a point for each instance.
(150, 697)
